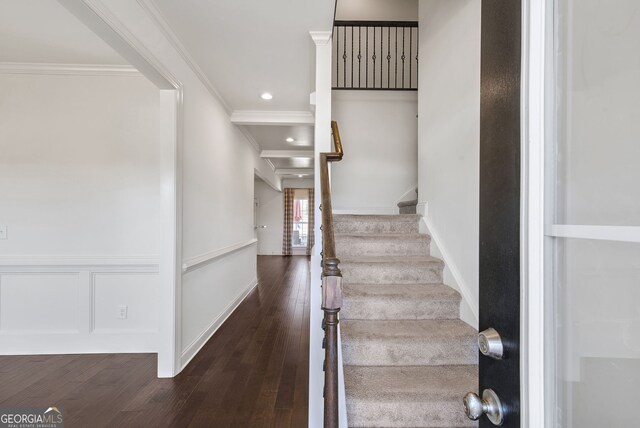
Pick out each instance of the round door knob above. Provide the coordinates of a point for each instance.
(490, 344)
(490, 405)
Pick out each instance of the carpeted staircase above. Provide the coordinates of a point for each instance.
(408, 358)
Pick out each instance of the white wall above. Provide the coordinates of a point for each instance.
(379, 134)
(381, 10)
(218, 164)
(449, 139)
(80, 196)
(271, 212)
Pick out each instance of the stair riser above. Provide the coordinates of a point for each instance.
(374, 227)
(374, 309)
(355, 246)
(449, 351)
(391, 273)
(442, 414)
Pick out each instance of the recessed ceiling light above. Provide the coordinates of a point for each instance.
(300, 175)
(266, 96)
(290, 140)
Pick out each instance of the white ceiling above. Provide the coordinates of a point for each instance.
(39, 31)
(274, 137)
(247, 47)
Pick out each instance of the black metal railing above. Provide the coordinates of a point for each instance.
(375, 55)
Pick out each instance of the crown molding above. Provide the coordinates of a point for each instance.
(68, 69)
(254, 143)
(273, 167)
(158, 18)
(265, 117)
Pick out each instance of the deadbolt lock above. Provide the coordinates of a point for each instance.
(490, 344)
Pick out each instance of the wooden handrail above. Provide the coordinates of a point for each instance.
(331, 284)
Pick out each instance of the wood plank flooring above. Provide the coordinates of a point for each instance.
(252, 373)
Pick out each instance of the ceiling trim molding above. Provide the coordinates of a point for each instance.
(294, 171)
(271, 165)
(254, 143)
(287, 154)
(68, 69)
(264, 117)
(320, 37)
(157, 17)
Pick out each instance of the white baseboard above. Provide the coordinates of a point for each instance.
(195, 346)
(452, 277)
(130, 342)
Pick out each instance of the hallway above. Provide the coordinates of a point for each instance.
(252, 373)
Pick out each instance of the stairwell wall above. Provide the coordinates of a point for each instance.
(449, 140)
(379, 134)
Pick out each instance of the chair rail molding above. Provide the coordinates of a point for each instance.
(196, 262)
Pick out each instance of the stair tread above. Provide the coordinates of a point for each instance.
(391, 259)
(387, 236)
(410, 383)
(431, 292)
(375, 217)
(401, 330)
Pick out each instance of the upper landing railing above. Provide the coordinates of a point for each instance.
(375, 55)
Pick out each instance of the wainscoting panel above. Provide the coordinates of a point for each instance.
(54, 305)
(39, 303)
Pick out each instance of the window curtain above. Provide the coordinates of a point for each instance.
(288, 221)
(312, 213)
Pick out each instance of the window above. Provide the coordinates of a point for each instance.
(300, 232)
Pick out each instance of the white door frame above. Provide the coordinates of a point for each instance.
(535, 20)
(103, 23)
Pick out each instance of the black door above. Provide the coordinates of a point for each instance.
(500, 201)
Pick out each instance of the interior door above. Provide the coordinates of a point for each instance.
(593, 221)
(499, 215)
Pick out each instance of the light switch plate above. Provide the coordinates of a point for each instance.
(3, 231)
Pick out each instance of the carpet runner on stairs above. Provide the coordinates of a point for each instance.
(408, 358)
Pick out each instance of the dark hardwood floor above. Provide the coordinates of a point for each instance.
(252, 373)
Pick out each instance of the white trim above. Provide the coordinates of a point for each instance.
(276, 118)
(99, 19)
(606, 233)
(154, 13)
(266, 180)
(320, 37)
(294, 171)
(532, 254)
(254, 143)
(287, 154)
(204, 337)
(197, 262)
(68, 69)
(77, 261)
(460, 285)
(271, 165)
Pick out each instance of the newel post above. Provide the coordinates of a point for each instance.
(331, 303)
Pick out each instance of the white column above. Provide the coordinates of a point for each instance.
(322, 143)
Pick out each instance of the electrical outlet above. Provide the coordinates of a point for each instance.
(3, 231)
(122, 312)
